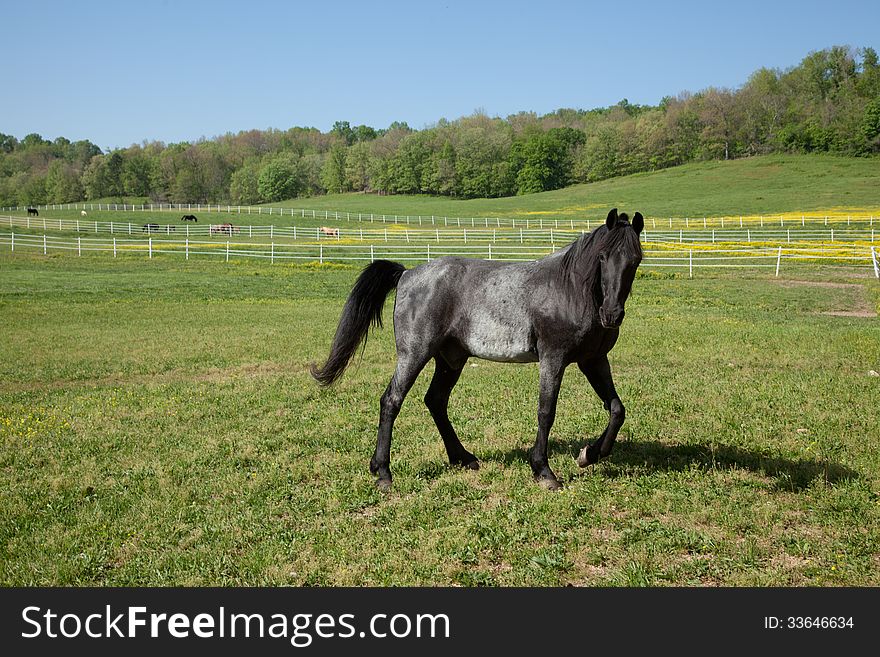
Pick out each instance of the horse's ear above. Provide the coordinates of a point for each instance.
(612, 218)
(638, 222)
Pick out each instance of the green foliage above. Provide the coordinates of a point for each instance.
(280, 178)
(333, 173)
(244, 185)
(545, 161)
(63, 183)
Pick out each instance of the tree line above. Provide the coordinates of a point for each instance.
(828, 103)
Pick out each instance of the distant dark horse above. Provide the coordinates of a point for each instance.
(565, 308)
(189, 217)
(151, 228)
(33, 212)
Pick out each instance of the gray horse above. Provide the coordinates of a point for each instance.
(565, 308)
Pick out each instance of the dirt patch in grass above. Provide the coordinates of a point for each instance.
(797, 283)
(862, 307)
(866, 312)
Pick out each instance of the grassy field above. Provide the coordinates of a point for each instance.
(791, 185)
(768, 184)
(158, 426)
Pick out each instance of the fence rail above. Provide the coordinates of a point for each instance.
(654, 255)
(521, 236)
(779, 220)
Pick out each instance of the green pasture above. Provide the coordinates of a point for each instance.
(767, 185)
(158, 426)
(794, 185)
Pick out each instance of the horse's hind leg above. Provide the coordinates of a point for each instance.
(598, 373)
(437, 401)
(408, 368)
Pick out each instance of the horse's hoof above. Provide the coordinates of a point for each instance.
(549, 483)
(384, 485)
(583, 459)
(472, 463)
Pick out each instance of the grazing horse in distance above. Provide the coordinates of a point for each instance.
(332, 232)
(32, 212)
(151, 228)
(82, 213)
(189, 217)
(562, 309)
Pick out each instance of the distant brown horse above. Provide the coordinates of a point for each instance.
(224, 229)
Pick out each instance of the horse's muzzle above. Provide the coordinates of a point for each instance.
(611, 319)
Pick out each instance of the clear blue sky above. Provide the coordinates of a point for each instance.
(120, 72)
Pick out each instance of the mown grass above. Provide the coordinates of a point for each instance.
(158, 426)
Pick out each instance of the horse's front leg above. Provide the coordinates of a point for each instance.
(598, 373)
(551, 371)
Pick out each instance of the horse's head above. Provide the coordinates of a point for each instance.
(619, 257)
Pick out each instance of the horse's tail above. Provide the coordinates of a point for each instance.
(363, 307)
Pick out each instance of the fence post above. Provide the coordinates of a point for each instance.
(778, 260)
(429, 252)
(874, 262)
(78, 245)
(691, 263)
(114, 247)
(187, 248)
(151, 247)
(227, 251)
(321, 254)
(272, 254)
(490, 251)
(372, 257)
(13, 243)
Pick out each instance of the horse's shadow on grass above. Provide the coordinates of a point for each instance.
(633, 456)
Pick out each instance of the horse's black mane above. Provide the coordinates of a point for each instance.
(579, 269)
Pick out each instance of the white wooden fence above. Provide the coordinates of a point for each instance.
(656, 255)
(527, 222)
(510, 235)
